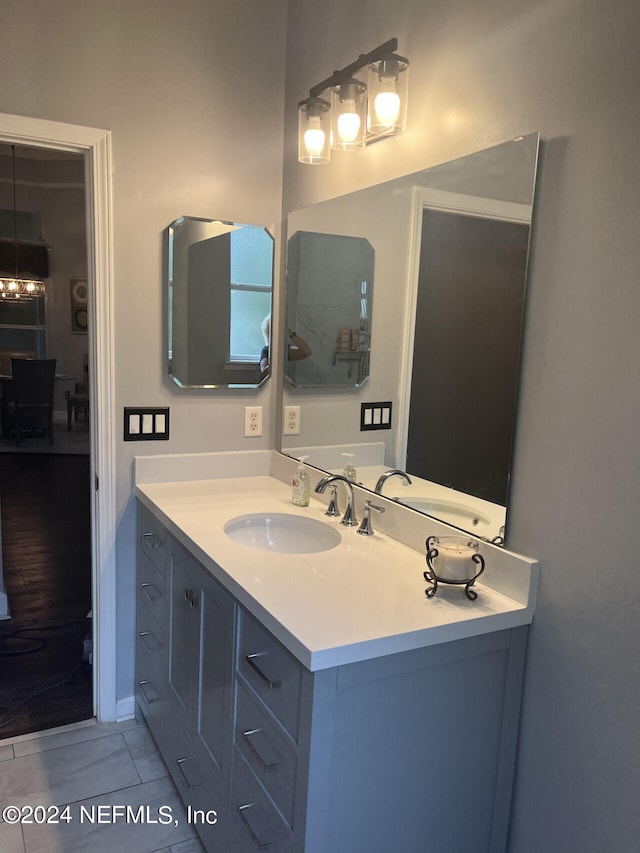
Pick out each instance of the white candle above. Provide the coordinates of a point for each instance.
(454, 561)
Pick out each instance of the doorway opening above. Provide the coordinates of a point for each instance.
(94, 147)
(45, 501)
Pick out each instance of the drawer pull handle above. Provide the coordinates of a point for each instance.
(152, 540)
(183, 764)
(151, 645)
(245, 814)
(272, 684)
(269, 766)
(150, 591)
(143, 689)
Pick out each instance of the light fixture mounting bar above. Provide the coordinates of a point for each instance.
(364, 59)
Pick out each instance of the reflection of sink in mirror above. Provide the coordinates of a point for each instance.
(282, 533)
(462, 515)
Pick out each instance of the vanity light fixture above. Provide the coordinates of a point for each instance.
(357, 113)
(23, 265)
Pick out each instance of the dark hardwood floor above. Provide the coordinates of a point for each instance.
(46, 548)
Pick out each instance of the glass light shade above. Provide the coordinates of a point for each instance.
(388, 86)
(348, 115)
(17, 288)
(314, 131)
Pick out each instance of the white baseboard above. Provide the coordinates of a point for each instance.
(125, 708)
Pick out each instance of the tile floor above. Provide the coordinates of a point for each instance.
(84, 766)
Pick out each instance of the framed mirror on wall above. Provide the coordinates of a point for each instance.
(451, 246)
(220, 291)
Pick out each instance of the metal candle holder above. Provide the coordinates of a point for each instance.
(434, 579)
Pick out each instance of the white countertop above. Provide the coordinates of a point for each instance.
(362, 599)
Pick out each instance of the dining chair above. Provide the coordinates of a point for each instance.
(78, 403)
(32, 391)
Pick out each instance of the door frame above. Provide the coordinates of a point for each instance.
(95, 146)
(448, 202)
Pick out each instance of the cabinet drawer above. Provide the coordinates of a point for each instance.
(150, 693)
(260, 826)
(272, 672)
(268, 750)
(152, 589)
(182, 759)
(152, 538)
(151, 643)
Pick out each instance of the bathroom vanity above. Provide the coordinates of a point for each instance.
(319, 702)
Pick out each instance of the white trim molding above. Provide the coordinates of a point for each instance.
(95, 145)
(448, 202)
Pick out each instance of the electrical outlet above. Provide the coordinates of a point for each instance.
(252, 421)
(291, 420)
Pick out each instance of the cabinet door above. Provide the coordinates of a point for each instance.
(184, 633)
(214, 725)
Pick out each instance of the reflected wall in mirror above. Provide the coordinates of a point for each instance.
(451, 246)
(220, 283)
(329, 306)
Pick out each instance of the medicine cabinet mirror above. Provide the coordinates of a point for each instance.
(451, 246)
(220, 284)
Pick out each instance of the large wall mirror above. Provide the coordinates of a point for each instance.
(220, 285)
(451, 246)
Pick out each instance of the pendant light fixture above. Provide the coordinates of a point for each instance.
(23, 265)
(357, 113)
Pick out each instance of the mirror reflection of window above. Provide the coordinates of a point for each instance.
(220, 281)
(250, 293)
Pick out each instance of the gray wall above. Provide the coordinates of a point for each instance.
(158, 75)
(482, 72)
(182, 87)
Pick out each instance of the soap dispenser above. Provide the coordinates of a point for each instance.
(349, 471)
(301, 485)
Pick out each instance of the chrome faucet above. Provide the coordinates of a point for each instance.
(394, 472)
(366, 528)
(349, 518)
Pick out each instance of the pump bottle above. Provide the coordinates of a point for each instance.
(301, 485)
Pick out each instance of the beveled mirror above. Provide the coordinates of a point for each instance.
(329, 306)
(451, 246)
(220, 285)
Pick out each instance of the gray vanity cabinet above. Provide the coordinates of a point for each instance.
(413, 751)
(201, 629)
(151, 636)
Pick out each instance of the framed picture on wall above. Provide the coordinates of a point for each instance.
(79, 293)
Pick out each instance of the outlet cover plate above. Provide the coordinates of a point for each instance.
(291, 420)
(252, 421)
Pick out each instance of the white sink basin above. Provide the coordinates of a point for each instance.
(450, 511)
(282, 532)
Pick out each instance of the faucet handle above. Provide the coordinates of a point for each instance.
(366, 528)
(333, 509)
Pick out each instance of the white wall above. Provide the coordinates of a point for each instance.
(483, 72)
(193, 95)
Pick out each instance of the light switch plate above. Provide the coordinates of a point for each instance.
(375, 416)
(146, 424)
